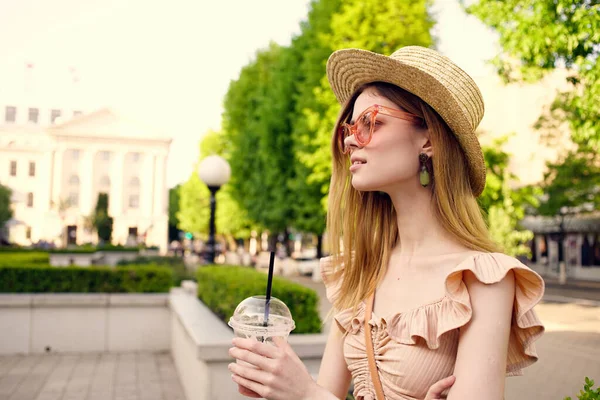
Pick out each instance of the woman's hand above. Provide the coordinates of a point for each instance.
(436, 390)
(279, 372)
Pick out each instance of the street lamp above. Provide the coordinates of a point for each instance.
(214, 171)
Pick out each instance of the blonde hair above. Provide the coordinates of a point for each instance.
(362, 226)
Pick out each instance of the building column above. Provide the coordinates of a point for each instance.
(86, 183)
(147, 186)
(115, 201)
(43, 178)
(57, 178)
(160, 188)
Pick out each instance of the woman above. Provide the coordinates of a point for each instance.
(423, 294)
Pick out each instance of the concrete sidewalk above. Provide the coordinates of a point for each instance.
(574, 289)
(124, 376)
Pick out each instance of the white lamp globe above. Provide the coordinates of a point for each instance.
(214, 171)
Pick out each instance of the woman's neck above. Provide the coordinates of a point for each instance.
(419, 229)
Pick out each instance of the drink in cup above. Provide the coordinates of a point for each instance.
(248, 320)
(261, 318)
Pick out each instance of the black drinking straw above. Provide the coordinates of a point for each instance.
(269, 283)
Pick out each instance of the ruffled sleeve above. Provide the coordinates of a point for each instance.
(332, 279)
(526, 327)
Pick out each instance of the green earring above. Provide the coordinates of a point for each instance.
(424, 173)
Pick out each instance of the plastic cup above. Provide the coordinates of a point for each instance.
(248, 322)
(249, 317)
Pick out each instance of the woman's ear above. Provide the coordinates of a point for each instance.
(427, 148)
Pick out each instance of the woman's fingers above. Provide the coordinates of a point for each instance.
(244, 391)
(248, 356)
(251, 385)
(250, 373)
(436, 390)
(264, 349)
(282, 344)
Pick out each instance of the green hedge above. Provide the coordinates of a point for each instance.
(92, 249)
(46, 279)
(74, 250)
(18, 258)
(18, 249)
(175, 264)
(222, 288)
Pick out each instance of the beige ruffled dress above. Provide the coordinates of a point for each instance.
(415, 349)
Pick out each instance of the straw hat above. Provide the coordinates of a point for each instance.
(427, 74)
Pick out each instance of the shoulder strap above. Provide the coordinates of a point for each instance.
(369, 346)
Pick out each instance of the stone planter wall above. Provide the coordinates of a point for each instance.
(179, 322)
(63, 323)
(200, 343)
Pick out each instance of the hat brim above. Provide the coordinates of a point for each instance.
(349, 69)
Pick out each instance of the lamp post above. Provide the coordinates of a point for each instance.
(562, 249)
(214, 171)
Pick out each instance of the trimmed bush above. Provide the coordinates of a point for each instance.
(74, 250)
(22, 257)
(112, 247)
(47, 279)
(94, 249)
(180, 272)
(222, 288)
(18, 249)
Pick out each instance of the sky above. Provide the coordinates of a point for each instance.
(169, 63)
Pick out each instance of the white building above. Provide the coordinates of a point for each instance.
(57, 169)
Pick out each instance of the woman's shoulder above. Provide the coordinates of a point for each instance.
(491, 267)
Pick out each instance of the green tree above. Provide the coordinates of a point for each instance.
(380, 26)
(312, 52)
(540, 36)
(257, 122)
(194, 199)
(573, 181)
(173, 210)
(194, 208)
(102, 222)
(503, 204)
(6, 212)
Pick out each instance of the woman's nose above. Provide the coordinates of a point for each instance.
(350, 143)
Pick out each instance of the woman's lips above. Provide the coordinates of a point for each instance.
(356, 165)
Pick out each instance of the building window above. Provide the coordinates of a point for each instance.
(74, 199)
(74, 154)
(77, 113)
(74, 191)
(54, 114)
(134, 182)
(29, 199)
(28, 233)
(31, 168)
(34, 114)
(105, 155)
(104, 185)
(134, 201)
(13, 168)
(135, 157)
(10, 114)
